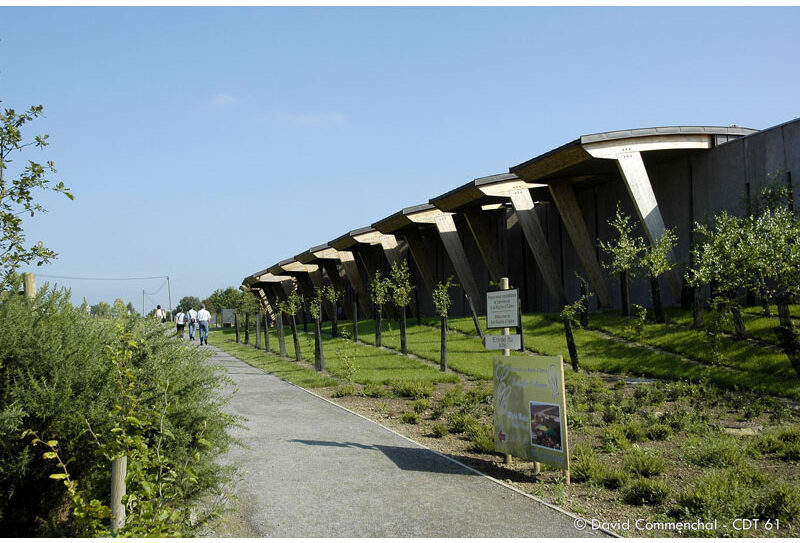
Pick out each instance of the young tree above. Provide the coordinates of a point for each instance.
(442, 302)
(119, 310)
(315, 308)
(569, 318)
(334, 296)
(188, 302)
(624, 253)
(102, 309)
(401, 296)
(379, 291)
(655, 261)
(17, 192)
(290, 307)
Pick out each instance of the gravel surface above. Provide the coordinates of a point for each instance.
(314, 469)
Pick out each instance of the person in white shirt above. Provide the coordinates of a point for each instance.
(203, 319)
(191, 318)
(161, 315)
(180, 322)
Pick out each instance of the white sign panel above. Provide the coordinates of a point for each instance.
(501, 309)
(502, 342)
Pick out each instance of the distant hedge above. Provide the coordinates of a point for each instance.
(77, 391)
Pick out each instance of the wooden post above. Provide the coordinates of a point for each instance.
(266, 333)
(258, 331)
(506, 352)
(443, 354)
(119, 469)
(29, 281)
(247, 328)
(236, 325)
(474, 315)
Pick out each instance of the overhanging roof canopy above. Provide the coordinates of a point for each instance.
(584, 160)
(402, 219)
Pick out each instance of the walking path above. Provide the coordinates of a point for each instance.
(314, 469)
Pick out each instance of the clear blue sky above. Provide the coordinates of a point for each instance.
(209, 143)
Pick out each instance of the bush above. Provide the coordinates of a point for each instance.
(718, 452)
(634, 431)
(658, 431)
(410, 417)
(646, 492)
(781, 502)
(439, 430)
(612, 478)
(66, 376)
(643, 464)
(373, 390)
(790, 452)
(611, 413)
(459, 423)
(412, 389)
(482, 437)
(614, 439)
(454, 396)
(344, 390)
(421, 405)
(584, 465)
(437, 411)
(722, 494)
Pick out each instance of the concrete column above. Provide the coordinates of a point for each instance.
(567, 204)
(631, 166)
(482, 230)
(354, 276)
(532, 230)
(452, 244)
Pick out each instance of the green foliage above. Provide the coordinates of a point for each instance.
(228, 298)
(315, 305)
(401, 284)
(379, 289)
(614, 438)
(193, 302)
(717, 451)
(459, 423)
(101, 309)
(441, 296)
(17, 192)
(374, 390)
(439, 430)
(422, 405)
(636, 326)
(292, 304)
(646, 492)
(410, 417)
(781, 502)
(342, 391)
(722, 494)
(571, 311)
(90, 390)
(658, 431)
(481, 436)
(643, 464)
(412, 389)
(331, 294)
(584, 464)
(655, 259)
(625, 250)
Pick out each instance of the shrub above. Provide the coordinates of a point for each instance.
(614, 439)
(412, 389)
(646, 492)
(482, 437)
(612, 478)
(437, 411)
(612, 413)
(790, 452)
(410, 417)
(373, 390)
(643, 464)
(767, 443)
(459, 423)
(781, 502)
(634, 431)
(619, 385)
(454, 396)
(439, 429)
(344, 390)
(421, 405)
(722, 494)
(658, 431)
(584, 465)
(66, 376)
(718, 452)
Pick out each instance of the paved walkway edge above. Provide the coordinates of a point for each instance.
(496, 481)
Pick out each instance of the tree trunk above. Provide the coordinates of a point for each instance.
(698, 320)
(297, 354)
(258, 332)
(281, 336)
(655, 294)
(585, 311)
(305, 318)
(764, 295)
(403, 345)
(625, 293)
(266, 333)
(236, 325)
(787, 334)
(319, 353)
(738, 321)
(573, 351)
(355, 319)
(378, 325)
(443, 354)
(474, 317)
(247, 328)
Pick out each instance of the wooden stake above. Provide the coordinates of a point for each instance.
(29, 281)
(119, 469)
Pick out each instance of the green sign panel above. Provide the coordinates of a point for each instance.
(530, 412)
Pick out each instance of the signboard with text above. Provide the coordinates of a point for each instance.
(530, 412)
(512, 342)
(501, 309)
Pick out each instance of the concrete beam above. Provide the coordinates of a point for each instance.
(532, 230)
(347, 258)
(567, 204)
(446, 227)
(421, 250)
(481, 227)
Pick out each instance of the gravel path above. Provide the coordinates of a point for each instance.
(314, 469)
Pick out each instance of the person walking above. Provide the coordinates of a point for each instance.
(180, 323)
(161, 315)
(191, 320)
(203, 320)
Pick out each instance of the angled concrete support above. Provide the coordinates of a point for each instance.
(452, 244)
(567, 204)
(421, 249)
(480, 225)
(354, 277)
(634, 173)
(333, 273)
(532, 230)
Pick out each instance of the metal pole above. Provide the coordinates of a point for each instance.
(506, 352)
(169, 297)
(142, 302)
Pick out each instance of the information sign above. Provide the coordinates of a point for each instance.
(530, 412)
(501, 309)
(502, 342)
